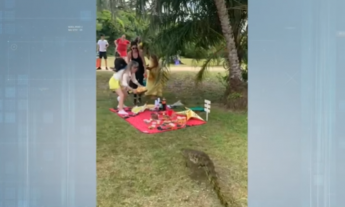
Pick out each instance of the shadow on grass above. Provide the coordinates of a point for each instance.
(136, 169)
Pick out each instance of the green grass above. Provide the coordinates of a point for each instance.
(135, 169)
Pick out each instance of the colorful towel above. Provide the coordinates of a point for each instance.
(138, 121)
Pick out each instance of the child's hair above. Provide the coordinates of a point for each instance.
(119, 64)
(132, 64)
(117, 55)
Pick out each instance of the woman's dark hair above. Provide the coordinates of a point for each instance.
(137, 40)
(119, 64)
(134, 43)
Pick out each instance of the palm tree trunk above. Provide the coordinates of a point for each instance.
(235, 73)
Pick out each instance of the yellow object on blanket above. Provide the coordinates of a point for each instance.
(138, 109)
(190, 114)
(150, 106)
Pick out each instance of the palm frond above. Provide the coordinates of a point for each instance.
(176, 24)
(206, 65)
(118, 20)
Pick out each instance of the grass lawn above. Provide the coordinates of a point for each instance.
(139, 170)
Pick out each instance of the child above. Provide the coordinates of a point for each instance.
(119, 82)
(119, 64)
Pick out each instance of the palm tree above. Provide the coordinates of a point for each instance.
(235, 76)
(207, 24)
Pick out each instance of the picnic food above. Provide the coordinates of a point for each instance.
(154, 116)
(147, 121)
(141, 89)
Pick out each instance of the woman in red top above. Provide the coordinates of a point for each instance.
(121, 47)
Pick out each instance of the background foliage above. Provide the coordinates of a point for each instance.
(188, 28)
(125, 22)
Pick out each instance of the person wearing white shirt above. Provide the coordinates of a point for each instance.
(102, 46)
(119, 83)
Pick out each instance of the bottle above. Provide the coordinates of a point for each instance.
(156, 105)
(159, 104)
(164, 104)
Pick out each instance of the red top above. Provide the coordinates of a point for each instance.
(122, 45)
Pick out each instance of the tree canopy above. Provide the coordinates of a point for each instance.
(190, 28)
(124, 22)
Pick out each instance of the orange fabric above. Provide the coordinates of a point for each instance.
(98, 63)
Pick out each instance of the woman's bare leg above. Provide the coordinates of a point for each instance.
(125, 94)
(121, 96)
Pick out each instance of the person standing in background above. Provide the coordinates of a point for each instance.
(141, 51)
(121, 47)
(102, 46)
(138, 56)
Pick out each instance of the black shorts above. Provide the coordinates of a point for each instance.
(102, 55)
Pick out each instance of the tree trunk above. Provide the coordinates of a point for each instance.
(229, 37)
(234, 90)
